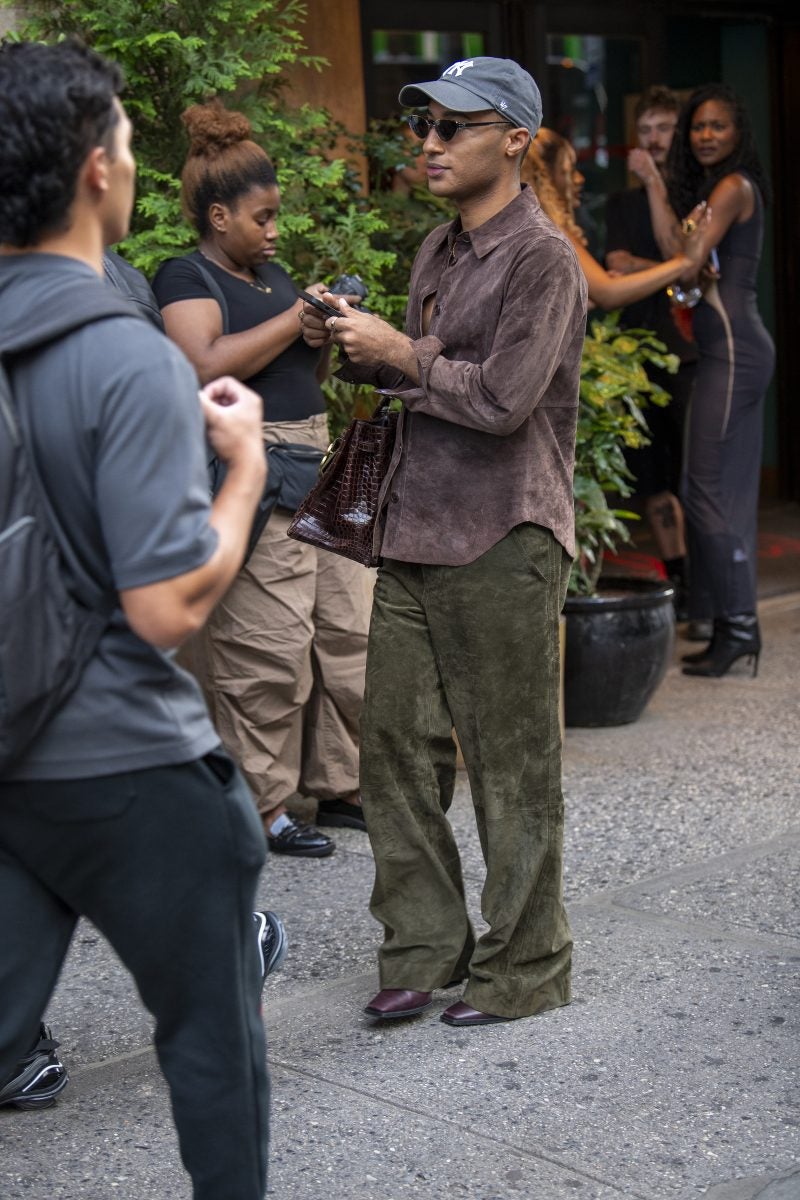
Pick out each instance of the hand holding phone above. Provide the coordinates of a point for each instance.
(327, 309)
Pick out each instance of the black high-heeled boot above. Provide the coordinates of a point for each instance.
(699, 655)
(734, 638)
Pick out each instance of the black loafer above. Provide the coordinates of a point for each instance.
(303, 841)
(341, 813)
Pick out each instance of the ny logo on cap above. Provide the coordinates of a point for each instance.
(458, 68)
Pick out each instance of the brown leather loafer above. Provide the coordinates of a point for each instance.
(392, 1003)
(461, 1014)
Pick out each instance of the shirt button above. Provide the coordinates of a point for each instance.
(437, 308)
(394, 497)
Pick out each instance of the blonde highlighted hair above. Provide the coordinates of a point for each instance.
(540, 170)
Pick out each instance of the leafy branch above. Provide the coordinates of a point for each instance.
(614, 391)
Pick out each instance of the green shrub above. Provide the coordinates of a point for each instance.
(180, 52)
(614, 391)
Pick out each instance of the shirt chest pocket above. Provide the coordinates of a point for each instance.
(465, 315)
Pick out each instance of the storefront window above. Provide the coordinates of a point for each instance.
(401, 56)
(591, 83)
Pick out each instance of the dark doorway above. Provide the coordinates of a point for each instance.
(416, 40)
(590, 61)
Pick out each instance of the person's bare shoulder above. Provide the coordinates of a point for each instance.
(734, 192)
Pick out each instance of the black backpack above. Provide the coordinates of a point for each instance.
(132, 284)
(47, 634)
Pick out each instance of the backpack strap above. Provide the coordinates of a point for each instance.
(133, 285)
(68, 310)
(196, 259)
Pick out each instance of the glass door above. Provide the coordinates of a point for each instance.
(591, 81)
(415, 41)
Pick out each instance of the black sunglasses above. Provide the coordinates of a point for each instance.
(446, 129)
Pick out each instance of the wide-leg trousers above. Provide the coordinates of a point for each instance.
(164, 862)
(722, 465)
(473, 648)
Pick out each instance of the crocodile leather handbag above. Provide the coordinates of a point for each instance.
(341, 512)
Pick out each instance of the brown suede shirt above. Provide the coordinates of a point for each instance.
(487, 441)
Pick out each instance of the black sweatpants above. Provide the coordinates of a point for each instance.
(164, 862)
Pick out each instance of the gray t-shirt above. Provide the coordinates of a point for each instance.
(113, 416)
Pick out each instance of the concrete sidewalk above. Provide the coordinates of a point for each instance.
(671, 1076)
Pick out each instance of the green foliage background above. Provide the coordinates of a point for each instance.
(180, 52)
(614, 391)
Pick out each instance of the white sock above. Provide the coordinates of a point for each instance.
(280, 823)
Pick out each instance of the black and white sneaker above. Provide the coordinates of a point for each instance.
(272, 942)
(38, 1078)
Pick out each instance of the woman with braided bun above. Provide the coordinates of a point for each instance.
(283, 655)
(713, 157)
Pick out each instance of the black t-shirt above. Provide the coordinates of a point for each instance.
(628, 227)
(288, 385)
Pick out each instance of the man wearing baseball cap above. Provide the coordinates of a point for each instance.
(477, 540)
(477, 84)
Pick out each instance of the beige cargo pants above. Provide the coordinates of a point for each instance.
(282, 658)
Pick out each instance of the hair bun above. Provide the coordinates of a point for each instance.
(212, 128)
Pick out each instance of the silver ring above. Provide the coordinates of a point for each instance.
(332, 326)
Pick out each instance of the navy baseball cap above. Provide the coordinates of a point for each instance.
(475, 84)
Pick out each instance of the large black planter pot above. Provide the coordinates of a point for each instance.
(619, 645)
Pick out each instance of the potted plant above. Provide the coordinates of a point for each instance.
(619, 632)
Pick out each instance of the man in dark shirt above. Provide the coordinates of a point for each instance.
(476, 556)
(631, 246)
(93, 814)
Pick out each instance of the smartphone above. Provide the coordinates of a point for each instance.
(320, 305)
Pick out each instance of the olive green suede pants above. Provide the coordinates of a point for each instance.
(473, 648)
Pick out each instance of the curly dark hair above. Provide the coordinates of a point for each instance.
(56, 105)
(689, 183)
(223, 163)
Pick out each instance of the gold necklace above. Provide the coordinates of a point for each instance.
(255, 282)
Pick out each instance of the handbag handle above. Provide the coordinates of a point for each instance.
(380, 416)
